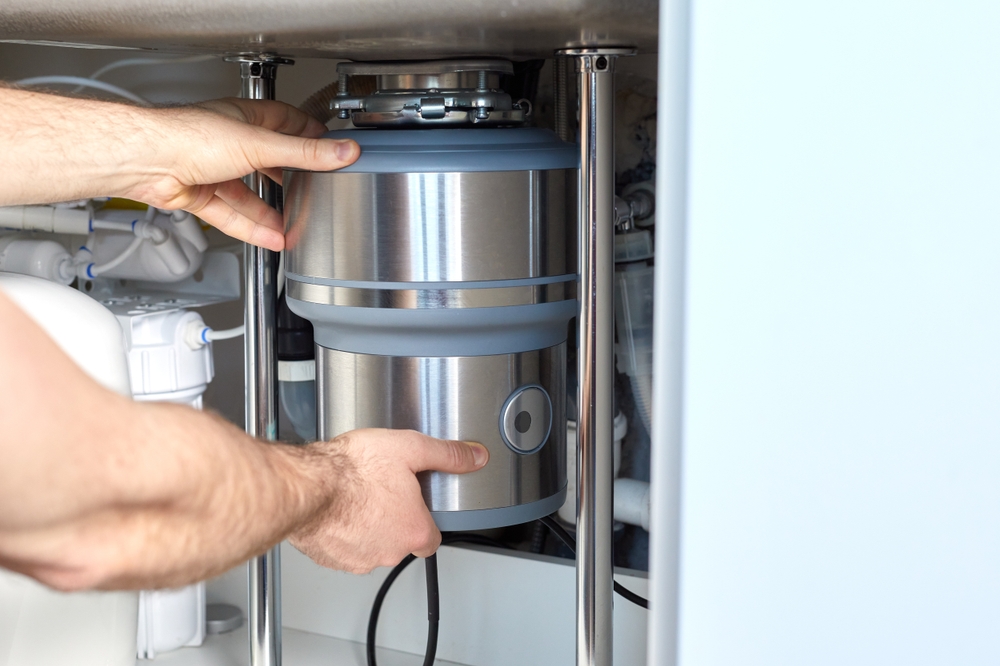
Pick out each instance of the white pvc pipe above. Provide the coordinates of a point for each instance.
(567, 512)
(668, 328)
(632, 502)
(114, 225)
(46, 218)
(188, 228)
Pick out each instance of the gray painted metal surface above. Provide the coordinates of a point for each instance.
(338, 29)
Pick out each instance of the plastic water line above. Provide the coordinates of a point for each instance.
(93, 270)
(86, 83)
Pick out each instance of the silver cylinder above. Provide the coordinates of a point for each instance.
(462, 398)
(261, 381)
(439, 275)
(430, 227)
(595, 420)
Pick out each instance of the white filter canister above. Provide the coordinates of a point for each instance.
(39, 626)
(42, 627)
(164, 367)
(42, 258)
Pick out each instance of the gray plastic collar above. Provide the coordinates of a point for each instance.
(484, 519)
(455, 284)
(451, 150)
(445, 332)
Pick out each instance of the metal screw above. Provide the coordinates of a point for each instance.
(255, 69)
(482, 80)
(343, 114)
(601, 63)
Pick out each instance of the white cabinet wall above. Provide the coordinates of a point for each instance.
(841, 472)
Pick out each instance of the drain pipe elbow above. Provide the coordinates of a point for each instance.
(632, 502)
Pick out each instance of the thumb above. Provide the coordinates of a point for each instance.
(448, 455)
(280, 150)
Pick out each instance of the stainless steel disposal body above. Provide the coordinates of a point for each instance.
(439, 272)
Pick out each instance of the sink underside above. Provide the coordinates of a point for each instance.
(357, 30)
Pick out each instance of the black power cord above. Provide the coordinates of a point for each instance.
(570, 542)
(377, 608)
(433, 598)
(433, 609)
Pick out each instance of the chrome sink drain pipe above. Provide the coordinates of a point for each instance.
(261, 367)
(596, 356)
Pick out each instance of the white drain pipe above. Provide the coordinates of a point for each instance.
(631, 496)
(632, 502)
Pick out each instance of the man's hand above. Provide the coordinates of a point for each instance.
(98, 491)
(219, 142)
(379, 495)
(192, 158)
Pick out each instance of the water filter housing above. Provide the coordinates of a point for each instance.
(40, 626)
(439, 273)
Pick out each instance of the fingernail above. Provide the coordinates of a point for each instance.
(278, 242)
(479, 453)
(345, 149)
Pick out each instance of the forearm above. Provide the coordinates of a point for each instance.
(99, 491)
(191, 158)
(225, 497)
(168, 496)
(229, 497)
(55, 148)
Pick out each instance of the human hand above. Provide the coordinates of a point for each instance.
(154, 495)
(190, 157)
(213, 144)
(376, 514)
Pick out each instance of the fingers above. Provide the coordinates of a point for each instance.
(377, 513)
(431, 541)
(447, 455)
(272, 115)
(246, 202)
(298, 144)
(225, 217)
(275, 174)
(282, 118)
(234, 209)
(276, 150)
